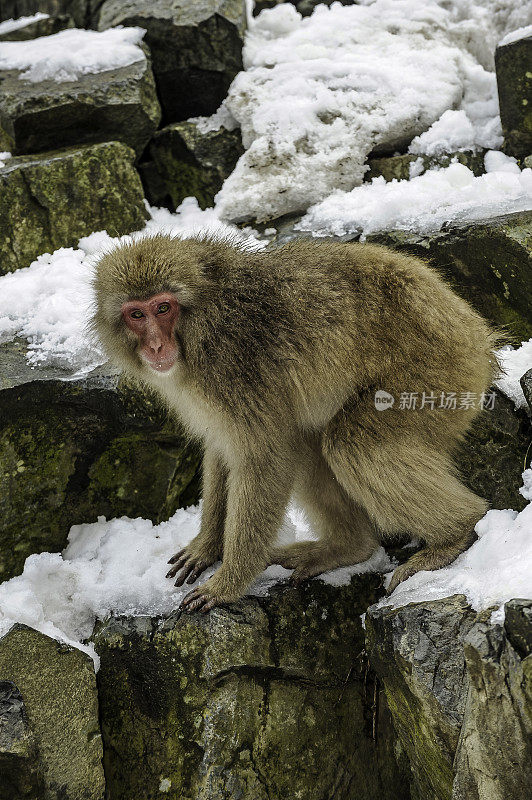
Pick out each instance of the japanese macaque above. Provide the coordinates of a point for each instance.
(273, 359)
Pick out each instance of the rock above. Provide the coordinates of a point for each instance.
(514, 83)
(491, 456)
(118, 104)
(489, 263)
(19, 774)
(526, 385)
(81, 11)
(196, 47)
(398, 167)
(460, 698)
(71, 450)
(192, 163)
(261, 700)
(41, 27)
(50, 741)
(52, 199)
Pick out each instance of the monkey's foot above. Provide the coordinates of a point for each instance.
(189, 564)
(428, 559)
(205, 597)
(309, 559)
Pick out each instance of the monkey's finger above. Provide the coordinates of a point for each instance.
(172, 572)
(193, 577)
(212, 603)
(185, 572)
(176, 556)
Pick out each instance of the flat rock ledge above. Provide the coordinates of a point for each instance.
(115, 105)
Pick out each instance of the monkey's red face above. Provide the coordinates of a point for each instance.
(153, 323)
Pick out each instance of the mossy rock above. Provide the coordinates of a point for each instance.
(514, 82)
(489, 263)
(196, 46)
(53, 199)
(50, 741)
(398, 167)
(190, 163)
(73, 450)
(263, 700)
(115, 105)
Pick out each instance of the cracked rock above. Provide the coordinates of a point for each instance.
(266, 699)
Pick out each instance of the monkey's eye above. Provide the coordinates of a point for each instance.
(136, 314)
(163, 308)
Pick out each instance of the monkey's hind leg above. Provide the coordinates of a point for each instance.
(346, 534)
(407, 487)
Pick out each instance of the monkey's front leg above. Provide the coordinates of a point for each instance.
(207, 547)
(258, 492)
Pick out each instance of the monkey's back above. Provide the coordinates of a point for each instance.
(381, 319)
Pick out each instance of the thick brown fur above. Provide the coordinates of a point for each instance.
(281, 353)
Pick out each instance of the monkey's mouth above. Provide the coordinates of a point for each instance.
(160, 365)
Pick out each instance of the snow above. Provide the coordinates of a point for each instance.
(424, 203)
(320, 93)
(514, 364)
(49, 302)
(69, 54)
(495, 569)
(118, 567)
(514, 36)
(222, 118)
(3, 158)
(14, 24)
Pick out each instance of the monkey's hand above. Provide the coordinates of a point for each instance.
(210, 594)
(191, 561)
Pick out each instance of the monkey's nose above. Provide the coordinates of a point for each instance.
(156, 347)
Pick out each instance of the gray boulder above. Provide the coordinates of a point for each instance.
(50, 200)
(196, 47)
(514, 83)
(263, 700)
(526, 385)
(118, 104)
(71, 450)
(188, 162)
(459, 692)
(50, 741)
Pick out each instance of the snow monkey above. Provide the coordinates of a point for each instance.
(292, 366)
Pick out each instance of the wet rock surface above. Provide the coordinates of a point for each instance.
(72, 449)
(53, 199)
(50, 741)
(266, 699)
(118, 104)
(400, 167)
(196, 48)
